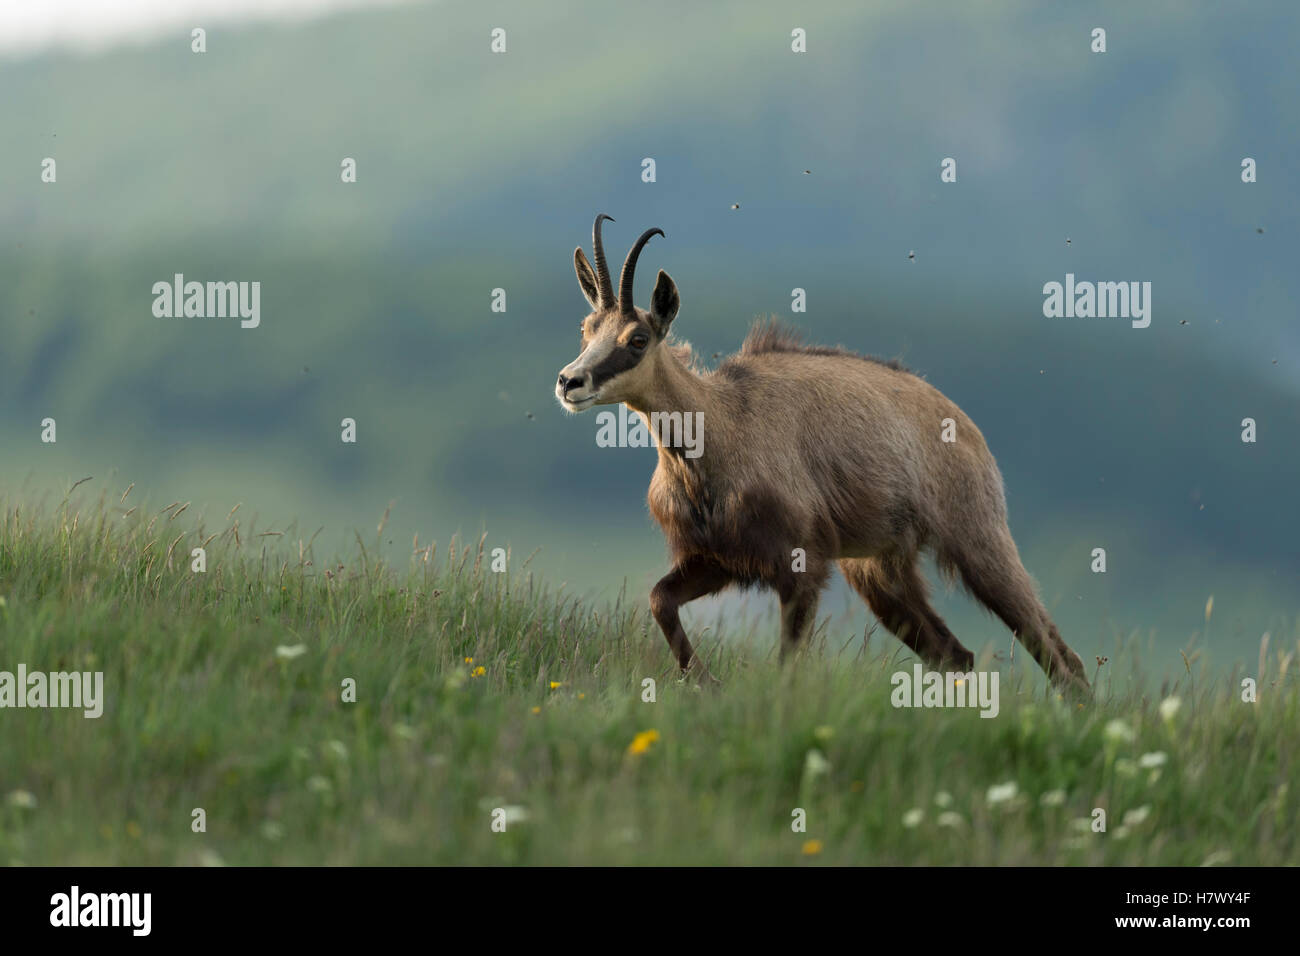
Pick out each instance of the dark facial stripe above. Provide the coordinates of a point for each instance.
(618, 361)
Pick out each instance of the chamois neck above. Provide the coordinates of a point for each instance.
(675, 406)
(672, 388)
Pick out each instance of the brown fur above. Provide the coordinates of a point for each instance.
(823, 450)
(771, 336)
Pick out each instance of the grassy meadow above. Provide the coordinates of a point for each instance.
(478, 690)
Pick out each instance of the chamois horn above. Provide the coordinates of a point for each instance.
(625, 303)
(604, 288)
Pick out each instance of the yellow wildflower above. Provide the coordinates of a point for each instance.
(642, 741)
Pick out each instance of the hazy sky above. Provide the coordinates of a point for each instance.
(31, 26)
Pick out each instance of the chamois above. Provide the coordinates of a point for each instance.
(811, 448)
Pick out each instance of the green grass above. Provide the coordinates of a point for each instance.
(203, 712)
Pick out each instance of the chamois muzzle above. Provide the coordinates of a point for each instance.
(567, 384)
(573, 388)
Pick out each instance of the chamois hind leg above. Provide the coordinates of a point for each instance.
(896, 593)
(691, 579)
(991, 570)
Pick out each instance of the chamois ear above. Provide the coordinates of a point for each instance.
(664, 302)
(586, 277)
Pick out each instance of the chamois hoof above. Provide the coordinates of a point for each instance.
(1074, 687)
(701, 675)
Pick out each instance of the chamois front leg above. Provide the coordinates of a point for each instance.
(691, 579)
(799, 601)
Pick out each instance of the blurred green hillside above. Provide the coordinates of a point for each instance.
(478, 171)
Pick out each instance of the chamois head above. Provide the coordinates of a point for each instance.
(621, 344)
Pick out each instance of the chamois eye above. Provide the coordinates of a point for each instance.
(639, 342)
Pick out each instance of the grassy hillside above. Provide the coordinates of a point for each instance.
(478, 690)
